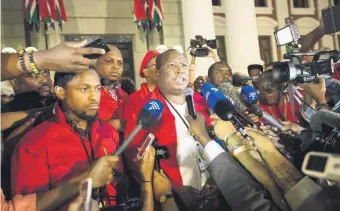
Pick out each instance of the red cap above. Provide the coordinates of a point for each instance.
(148, 56)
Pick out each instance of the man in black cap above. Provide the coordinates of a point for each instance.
(254, 71)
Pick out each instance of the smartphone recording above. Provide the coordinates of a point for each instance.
(96, 42)
(147, 143)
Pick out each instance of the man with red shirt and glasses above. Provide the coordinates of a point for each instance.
(184, 167)
(65, 146)
(110, 69)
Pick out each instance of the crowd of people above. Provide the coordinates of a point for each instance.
(57, 133)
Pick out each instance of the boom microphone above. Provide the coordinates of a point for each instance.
(258, 111)
(188, 92)
(324, 117)
(150, 114)
(224, 109)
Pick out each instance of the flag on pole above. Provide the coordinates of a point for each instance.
(148, 14)
(31, 11)
(139, 11)
(47, 11)
(155, 14)
(61, 14)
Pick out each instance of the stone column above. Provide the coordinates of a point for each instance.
(281, 14)
(241, 35)
(198, 19)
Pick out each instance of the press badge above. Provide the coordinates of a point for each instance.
(201, 163)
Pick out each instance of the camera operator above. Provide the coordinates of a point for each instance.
(192, 67)
(237, 186)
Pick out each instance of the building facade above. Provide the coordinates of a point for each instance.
(243, 28)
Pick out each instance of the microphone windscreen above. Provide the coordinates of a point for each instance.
(188, 91)
(150, 113)
(212, 95)
(217, 101)
(237, 80)
(232, 92)
(249, 94)
(324, 117)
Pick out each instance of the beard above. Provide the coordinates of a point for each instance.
(88, 117)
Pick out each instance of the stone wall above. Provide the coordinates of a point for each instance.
(95, 17)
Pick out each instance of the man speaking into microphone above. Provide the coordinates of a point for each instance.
(185, 167)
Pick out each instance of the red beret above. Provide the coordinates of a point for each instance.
(148, 56)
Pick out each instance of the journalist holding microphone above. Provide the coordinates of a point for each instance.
(238, 187)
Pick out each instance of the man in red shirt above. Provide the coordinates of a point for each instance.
(147, 71)
(184, 165)
(63, 147)
(110, 69)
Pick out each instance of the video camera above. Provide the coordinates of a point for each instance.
(294, 71)
(321, 66)
(198, 43)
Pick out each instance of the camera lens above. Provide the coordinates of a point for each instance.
(281, 72)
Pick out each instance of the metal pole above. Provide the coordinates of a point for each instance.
(27, 29)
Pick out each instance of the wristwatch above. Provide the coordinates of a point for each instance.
(163, 198)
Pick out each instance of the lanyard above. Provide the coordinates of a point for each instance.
(180, 116)
(90, 157)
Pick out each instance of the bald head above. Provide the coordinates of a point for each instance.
(110, 65)
(164, 57)
(114, 49)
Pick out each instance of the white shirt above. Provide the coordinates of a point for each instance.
(187, 151)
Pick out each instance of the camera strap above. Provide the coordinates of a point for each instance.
(291, 98)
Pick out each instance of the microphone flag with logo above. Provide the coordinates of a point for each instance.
(249, 94)
(222, 106)
(149, 115)
(217, 101)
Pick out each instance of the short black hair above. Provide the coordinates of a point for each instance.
(255, 66)
(212, 68)
(160, 59)
(61, 79)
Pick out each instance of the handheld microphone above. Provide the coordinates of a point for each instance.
(324, 117)
(188, 92)
(258, 111)
(150, 114)
(224, 109)
(240, 80)
(233, 94)
(249, 95)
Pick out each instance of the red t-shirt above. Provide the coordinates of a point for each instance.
(110, 101)
(53, 153)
